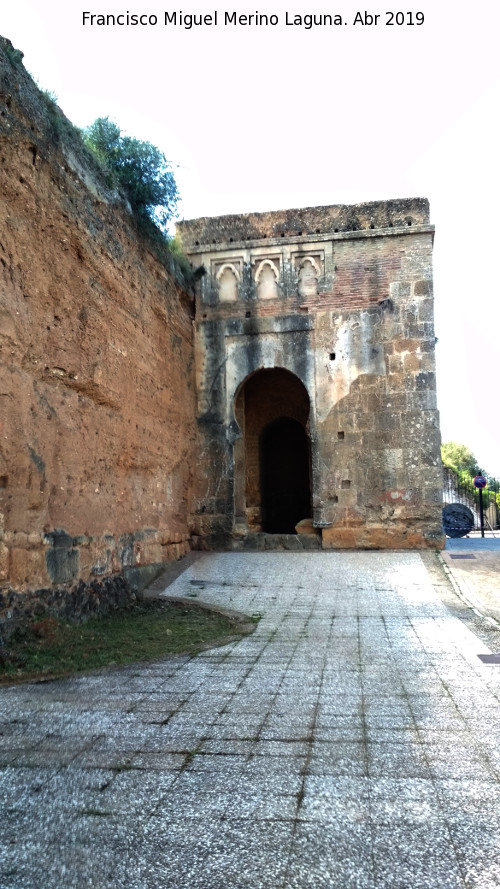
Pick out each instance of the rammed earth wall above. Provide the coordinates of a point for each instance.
(97, 396)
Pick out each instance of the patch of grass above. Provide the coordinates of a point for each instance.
(61, 127)
(190, 755)
(148, 630)
(124, 767)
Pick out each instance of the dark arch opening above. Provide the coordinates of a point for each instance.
(284, 476)
(271, 408)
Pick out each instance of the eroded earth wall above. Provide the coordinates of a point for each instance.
(97, 371)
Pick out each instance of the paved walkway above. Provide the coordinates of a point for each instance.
(475, 566)
(351, 741)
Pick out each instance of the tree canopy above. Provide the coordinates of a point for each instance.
(138, 167)
(459, 457)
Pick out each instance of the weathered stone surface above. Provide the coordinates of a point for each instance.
(79, 602)
(305, 526)
(325, 320)
(306, 222)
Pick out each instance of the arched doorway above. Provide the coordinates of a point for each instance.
(284, 476)
(272, 458)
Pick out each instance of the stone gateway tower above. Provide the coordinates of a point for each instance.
(316, 377)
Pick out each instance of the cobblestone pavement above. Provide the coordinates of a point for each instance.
(351, 741)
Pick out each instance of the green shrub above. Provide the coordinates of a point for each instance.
(140, 169)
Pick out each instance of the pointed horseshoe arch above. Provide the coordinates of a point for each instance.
(273, 456)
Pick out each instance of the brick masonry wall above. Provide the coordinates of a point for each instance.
(97, 389)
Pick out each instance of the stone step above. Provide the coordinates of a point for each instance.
(260, 542)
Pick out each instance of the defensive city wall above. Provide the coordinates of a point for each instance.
(97, 400)
(139, 419)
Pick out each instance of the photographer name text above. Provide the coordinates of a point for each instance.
(189, 20)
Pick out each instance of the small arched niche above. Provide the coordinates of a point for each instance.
(309, 274)
(227, 282)
(266, 278)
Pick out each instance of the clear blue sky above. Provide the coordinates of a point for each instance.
(258, 118)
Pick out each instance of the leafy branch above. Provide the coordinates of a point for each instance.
(139, 168)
